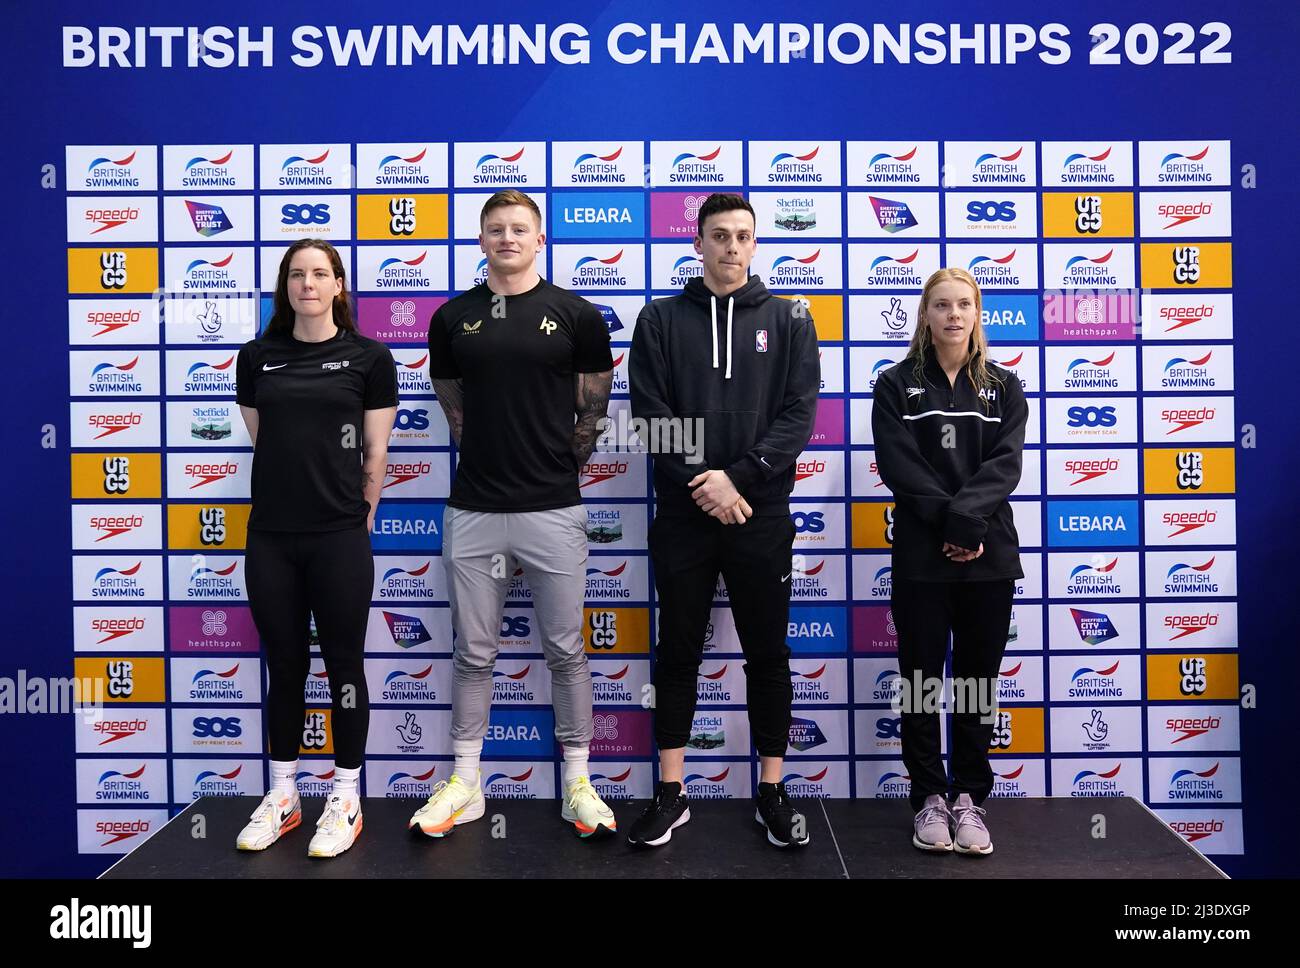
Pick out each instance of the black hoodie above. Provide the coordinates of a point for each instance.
(746, 365)
(952, 457)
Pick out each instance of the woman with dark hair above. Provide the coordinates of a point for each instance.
(319, 400)
(949, 431)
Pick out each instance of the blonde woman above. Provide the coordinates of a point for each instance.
(949, 431)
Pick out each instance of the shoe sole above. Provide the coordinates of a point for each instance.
(292, 822)
(973, 851)
(466, 814)
(931, 848)
(771, 838)
(668, 834)
(356, 833)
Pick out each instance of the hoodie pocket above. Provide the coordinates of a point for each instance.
(727, 434)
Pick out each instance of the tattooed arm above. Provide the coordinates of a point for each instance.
(376, 428)
(591, 406)
(451, 397)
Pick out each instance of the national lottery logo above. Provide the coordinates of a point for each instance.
(1188, 579)
(201, 172)
(696, 168)
(298, 172)
(111, 173)
(208, 220)
(1094, 627)
(991, 167)
(500, 168)
(797, 270)
(788, 167)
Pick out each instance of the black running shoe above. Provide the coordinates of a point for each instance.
(667, 811)
(784, 824)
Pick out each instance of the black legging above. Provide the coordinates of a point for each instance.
(293, 576)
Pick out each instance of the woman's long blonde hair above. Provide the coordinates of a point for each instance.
(978, 350)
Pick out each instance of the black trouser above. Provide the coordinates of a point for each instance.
(754, 559)
(978, 614)
(293, 576)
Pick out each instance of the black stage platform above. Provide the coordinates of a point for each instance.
(1032, 838)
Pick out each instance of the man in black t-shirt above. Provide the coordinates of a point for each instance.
(513, 362)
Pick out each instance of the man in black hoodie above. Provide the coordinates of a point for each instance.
(743, 366)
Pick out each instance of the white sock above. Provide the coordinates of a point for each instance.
(467, 752)
(282, 776)
(346, 783)
(575, 764)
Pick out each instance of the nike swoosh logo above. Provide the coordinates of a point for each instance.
(764, 460)
(286, 815)
(267, 367)
(353, 819)
(785, 577)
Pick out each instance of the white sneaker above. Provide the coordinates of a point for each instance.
(275, 816)
(453, 802)
(584, 808)
(338, 827)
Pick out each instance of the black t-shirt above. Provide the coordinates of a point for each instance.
(518, 369)
(307, 464)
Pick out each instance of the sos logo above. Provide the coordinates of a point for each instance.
(225, 726)
(1191, 473)
(889, 727)
(1091, 417)
(318, 214)
(515, 627)
(412, 419)
(991, 212)
(808, 522)
(117, 475)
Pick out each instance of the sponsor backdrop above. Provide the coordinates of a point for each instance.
(1102, 191)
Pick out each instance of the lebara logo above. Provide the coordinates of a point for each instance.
(1094, 627)
(1185, 579)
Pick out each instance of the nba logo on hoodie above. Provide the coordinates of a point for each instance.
(760, 341)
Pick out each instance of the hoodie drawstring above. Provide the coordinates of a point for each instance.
(713, 319)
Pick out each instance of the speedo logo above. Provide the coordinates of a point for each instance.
(1181, 316)
(112, 423)
(1090, 469)
(1184, 522)
(401, 473)
(1185, 625)
(596, 473)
